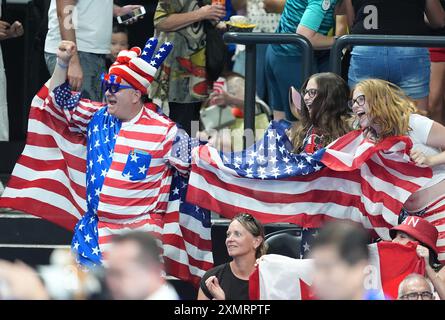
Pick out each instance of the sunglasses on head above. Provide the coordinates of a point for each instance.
(112, 83)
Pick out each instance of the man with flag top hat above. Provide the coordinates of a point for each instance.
(106, 168)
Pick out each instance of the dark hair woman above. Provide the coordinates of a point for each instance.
(230, 281)
(324, 114)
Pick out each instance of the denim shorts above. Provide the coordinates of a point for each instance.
(407, 67)
(284, 71)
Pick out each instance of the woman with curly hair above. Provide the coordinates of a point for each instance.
(382, 110)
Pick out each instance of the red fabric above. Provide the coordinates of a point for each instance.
(254, 285)
(392, 271)
(437, 54)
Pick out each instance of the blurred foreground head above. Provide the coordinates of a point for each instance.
(340, 254)
(134, 267)
(19, 281)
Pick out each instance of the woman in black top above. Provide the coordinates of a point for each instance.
(407, 67)
(230, 281)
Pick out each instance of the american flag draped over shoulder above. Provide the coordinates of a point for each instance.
(352, 178)
(49, 181)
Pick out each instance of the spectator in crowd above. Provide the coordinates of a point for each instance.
(229, 281)
(135, 269)
(72, 20)
(324, 117)
(383, 110)
(182, 81)
(119, 41)
(18, 281)
(7, 31)
(124, 114)
(408, 67)
(265, 22)
(340, 254)
(313, 19)
(420, 230)
(415, 287)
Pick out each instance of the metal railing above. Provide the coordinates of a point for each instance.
(250, 40)
(379, 40)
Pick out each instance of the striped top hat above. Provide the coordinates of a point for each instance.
(138, 67)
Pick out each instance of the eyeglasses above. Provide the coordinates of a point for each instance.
(425, 295)
(312, 92)
(112, 83)
(360, 101)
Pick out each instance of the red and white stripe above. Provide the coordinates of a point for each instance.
(363, 182)
(435, 214)
(49, 181)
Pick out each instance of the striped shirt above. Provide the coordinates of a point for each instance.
(317, 15)
(114, 191)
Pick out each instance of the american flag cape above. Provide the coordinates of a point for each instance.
(48, 181)
(352, 178)
(279, 277)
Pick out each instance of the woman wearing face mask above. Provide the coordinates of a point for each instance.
(382, 110)
(416, 229)
(230, 281)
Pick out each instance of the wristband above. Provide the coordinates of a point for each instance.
(61, 64)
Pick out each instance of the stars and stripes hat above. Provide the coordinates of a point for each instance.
(138, 66)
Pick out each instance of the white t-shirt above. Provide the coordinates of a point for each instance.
(420, 129)
(93, 23)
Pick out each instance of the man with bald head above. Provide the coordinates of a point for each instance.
(415, 287)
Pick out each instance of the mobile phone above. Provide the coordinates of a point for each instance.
(133, 14)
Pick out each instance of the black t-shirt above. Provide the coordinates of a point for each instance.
(394, 17)
(233, 287)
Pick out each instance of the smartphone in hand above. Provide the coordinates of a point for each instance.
(136, 13)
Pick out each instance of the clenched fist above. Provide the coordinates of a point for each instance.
(67, 49)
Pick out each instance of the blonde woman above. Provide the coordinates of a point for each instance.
(230, 281)
(383, 110)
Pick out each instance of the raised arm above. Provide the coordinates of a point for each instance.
(65, 52)
(65, 11)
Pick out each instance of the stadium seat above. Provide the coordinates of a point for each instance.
(286, 242)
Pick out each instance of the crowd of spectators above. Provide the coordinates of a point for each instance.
(405, 96)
